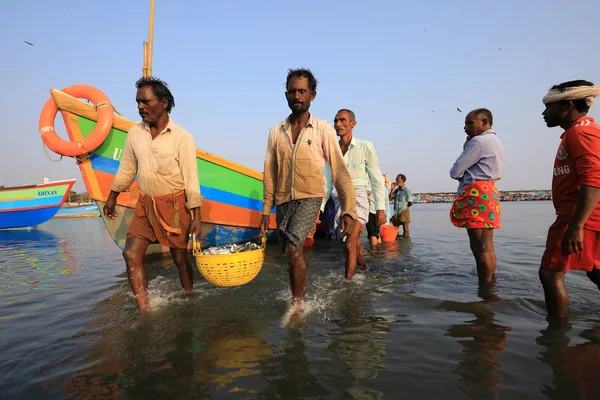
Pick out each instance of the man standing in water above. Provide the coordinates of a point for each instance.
(574, 238)
(477, 205)
(163, 156)
(402, 198)
(297, 150)
(362, 163)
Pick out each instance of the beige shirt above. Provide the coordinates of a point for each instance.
(163, 166)
(295, 171)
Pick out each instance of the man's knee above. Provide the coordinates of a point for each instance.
(548, 277)
(481, 244)
(179, 257)
(292, 251)
(351, 243)
(131, 255)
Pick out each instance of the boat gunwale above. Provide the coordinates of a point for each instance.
(51, 183)
(78, 107)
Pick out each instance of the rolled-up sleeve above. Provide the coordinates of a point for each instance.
(269, 176)
(127, 167)
(189, 169)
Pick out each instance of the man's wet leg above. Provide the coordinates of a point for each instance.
(555, 293)
(352, 241)
(186, 274)
(482, 246)
(135, 249)
(297, 271)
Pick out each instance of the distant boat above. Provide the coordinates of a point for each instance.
(31, 205)
(232, 207)
(87, 211)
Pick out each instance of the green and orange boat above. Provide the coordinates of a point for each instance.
(232, 207)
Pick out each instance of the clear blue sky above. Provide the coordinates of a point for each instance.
(392, 62)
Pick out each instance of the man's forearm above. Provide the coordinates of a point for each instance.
(586, 203)
(196, 213)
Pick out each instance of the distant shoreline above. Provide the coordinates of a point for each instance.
(507, 195)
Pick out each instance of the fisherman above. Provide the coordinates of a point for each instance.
(362, 163)
(573, 241)
(372, 228)
(402, 198)
(163, 157)
(477, 205)
(297, 150)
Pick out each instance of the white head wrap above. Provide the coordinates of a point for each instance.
(587, 93)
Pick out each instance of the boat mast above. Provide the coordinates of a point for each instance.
(147, 68)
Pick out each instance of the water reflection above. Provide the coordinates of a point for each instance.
(179, 351)
(576, 373)
(477, 365)
(356, 340)
(288, 372)
(30, 259)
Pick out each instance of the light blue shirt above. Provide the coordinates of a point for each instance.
(401, 199)
(363, 165)
(481, 160)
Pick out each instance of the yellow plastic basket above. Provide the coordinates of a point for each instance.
(230, 269)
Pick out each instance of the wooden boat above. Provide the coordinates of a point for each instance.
(27, 206)
(86, 211)
(232, 206)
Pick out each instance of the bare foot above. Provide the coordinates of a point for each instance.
(298, 306)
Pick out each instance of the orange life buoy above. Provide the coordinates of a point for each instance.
(91, 142)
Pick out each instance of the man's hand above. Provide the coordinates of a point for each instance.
(196, 226)
(380, 217)
(346, 225)
(264, 223)
(109, 207)
(572, 240)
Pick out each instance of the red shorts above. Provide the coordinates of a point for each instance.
(555, 259)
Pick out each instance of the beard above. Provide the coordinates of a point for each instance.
(147, 120)
(299, 108)
(551, 123)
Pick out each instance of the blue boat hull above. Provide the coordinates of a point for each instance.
(25, 218)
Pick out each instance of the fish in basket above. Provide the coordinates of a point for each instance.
(235, 266)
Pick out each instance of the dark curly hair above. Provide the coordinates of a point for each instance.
(302, 73)
(159, 88)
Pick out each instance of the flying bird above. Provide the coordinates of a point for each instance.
(548, 62)
(432, 111)
(499, 48)
(29, 43)
(458, 109)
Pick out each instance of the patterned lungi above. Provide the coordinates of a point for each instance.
(296, 218)
(477, 207)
